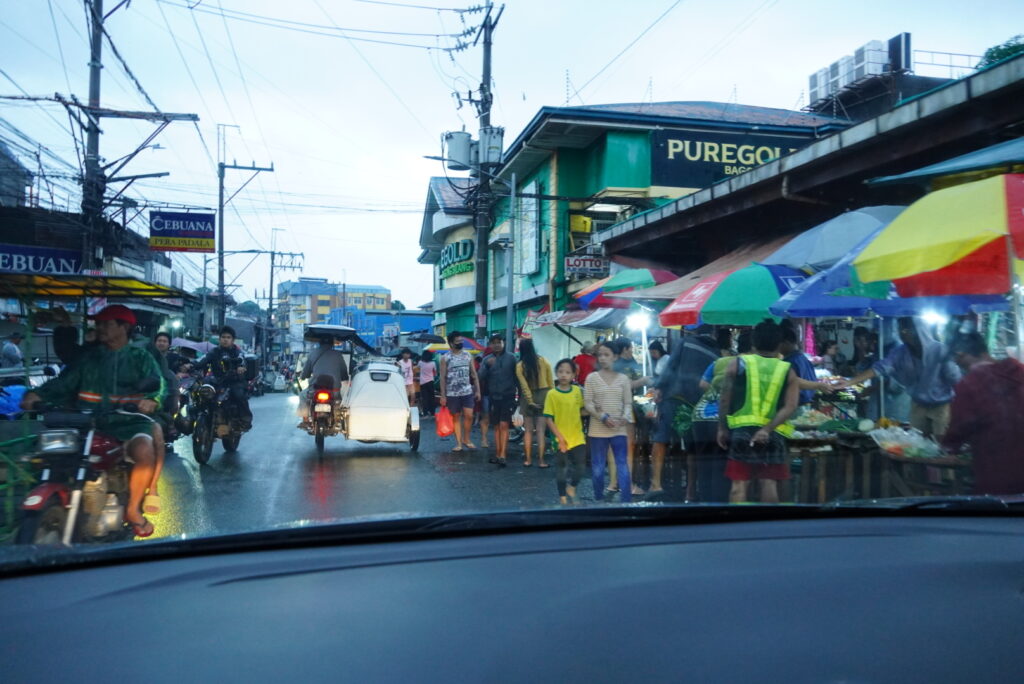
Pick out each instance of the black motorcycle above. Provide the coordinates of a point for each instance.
(214, 416)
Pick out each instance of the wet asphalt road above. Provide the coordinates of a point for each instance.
(276, 478)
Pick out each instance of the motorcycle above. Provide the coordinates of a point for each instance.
(213, 416)
(324, 415)
(84, 484)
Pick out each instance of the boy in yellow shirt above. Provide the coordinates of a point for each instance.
(563, 409)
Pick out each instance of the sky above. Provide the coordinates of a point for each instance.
(346, 122)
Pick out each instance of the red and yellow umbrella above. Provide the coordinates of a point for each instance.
(963, 240)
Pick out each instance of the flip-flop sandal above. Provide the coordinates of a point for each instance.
(139, 528)
(458, 448)
(151, 504)
(470, 446)
(527, 465)
(544, 465)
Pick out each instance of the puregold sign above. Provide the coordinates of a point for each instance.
(697, 159)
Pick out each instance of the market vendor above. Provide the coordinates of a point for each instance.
(921, 364)
(986, 414)
(807, 378)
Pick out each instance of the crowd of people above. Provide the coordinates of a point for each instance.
(728, 401)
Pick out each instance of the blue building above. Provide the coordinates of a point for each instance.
(381, 328)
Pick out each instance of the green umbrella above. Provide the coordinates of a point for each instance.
(739, 297)
(636, 278)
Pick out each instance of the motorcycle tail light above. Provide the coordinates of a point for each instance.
(59, 442)
(323, 397)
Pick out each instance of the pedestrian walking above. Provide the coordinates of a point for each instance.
(482, 411)
(563, 409)
(405, 365)
(759, 394)
(986, 413)
(498, 377)
(585, 362)
(428, 372)
(626, 364)
(608, 400)
(535, 379)
(460, 390)
(712, 485)
(660, 359)
(677, 388)
(10, 356)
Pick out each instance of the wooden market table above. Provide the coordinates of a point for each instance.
(840, 466)
(908, 476)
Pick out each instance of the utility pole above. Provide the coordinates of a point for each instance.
(483, 199)
(272, 298)
(221, 203)
(92, 184)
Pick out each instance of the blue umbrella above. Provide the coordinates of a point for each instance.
(822, 246)
(811, 299)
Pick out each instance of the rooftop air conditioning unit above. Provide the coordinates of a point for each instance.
(819, 88)
(845, 71)
(870, 60)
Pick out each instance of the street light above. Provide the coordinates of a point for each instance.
(641, 321)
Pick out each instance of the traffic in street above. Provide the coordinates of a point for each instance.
(275, 478)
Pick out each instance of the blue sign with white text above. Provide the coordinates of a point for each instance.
(182, 232)
(30, 259)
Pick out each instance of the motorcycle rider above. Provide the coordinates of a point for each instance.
(108, 375)
(220, 361)
(325, 360)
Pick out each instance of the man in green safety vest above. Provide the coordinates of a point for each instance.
(759, 394)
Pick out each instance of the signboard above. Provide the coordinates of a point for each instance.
(182, 232)
(456, 257)
(527, 235)
(587, 266)
(29, 259)
(698, 159)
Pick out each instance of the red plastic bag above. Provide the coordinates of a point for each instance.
(444, 422)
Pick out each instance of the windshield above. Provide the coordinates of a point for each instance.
(313, 264)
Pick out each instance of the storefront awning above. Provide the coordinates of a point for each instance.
(738, 258)
(73, 286)
(596, 319)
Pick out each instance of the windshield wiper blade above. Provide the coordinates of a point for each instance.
(923, 503)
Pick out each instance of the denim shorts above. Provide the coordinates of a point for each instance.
(664, 433)
(457, 404)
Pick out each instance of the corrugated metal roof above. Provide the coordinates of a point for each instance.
(448, 197)
(717, 111)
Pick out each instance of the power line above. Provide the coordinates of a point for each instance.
(233, 14)
(465, 10)
(732, 34)
(285, 27)
(252, 108)
(124, 64)
(631, 44)
(60, 45)
(379, 76)
(43, 109)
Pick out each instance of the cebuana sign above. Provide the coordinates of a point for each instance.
(182, 232)
(28, 259)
